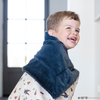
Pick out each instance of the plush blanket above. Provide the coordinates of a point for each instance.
(52, 68)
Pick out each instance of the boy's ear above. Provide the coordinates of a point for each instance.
(51, 32)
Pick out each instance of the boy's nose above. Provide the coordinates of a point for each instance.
(74, 32)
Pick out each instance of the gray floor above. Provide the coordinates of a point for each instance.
(3, 98)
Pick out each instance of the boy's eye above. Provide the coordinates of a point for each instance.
(77, 31)
(68, 28)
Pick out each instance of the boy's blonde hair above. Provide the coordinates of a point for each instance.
(53, 21)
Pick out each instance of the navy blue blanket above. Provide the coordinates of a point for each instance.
(52, 68)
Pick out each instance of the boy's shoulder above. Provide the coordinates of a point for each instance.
(53, 46)
(50, 50)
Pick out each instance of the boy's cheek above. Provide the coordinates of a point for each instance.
(78, 39)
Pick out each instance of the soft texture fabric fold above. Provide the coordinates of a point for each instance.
(52, 68)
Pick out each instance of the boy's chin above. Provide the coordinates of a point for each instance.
(70, 47)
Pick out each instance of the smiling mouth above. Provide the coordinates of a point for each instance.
(74, 39)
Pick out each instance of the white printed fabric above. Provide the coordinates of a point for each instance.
(28, 89)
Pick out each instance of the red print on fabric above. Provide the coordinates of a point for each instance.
(19, 88)
(15, 97)
(41, 92)
(35, 93)
(19, 98)
(28, 82)
(15, 91)
(26, 91)
(71, 89)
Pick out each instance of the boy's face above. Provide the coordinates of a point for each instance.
(68, 33)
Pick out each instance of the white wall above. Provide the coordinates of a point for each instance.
(97, 8)
(97, 46)
(1, 33)
(83, 56)
(97, 60)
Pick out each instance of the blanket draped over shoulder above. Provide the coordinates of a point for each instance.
(52, 68)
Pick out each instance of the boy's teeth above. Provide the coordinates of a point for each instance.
(72, 39)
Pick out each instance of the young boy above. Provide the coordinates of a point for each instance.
(50, 75)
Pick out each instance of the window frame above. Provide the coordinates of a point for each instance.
(9, 81)
(5, 27)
